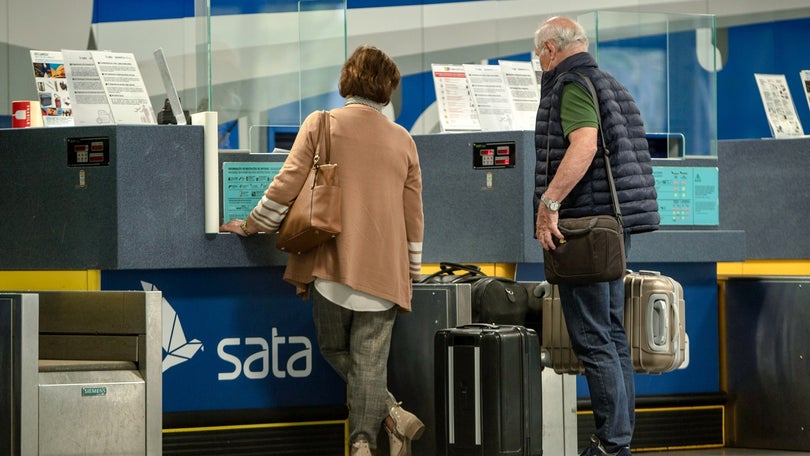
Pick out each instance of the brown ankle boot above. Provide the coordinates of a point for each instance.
(406, 424)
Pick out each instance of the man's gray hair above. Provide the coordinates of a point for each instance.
(562, 33)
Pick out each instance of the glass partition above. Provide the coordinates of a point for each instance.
(668, 62)
(265, 65)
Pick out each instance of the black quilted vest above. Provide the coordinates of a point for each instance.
(625, 136)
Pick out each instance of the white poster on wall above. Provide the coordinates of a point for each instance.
(779, 107)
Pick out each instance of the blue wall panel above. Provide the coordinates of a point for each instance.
(770, 48)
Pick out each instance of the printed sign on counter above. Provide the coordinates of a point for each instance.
(687, 195)
(243, 185)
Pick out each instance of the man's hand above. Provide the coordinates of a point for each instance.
(546, 227)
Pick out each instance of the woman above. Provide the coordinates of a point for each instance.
(360, 280)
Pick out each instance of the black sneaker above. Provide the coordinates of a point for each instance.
(596, 449)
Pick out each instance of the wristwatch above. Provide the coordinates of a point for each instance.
(552, 205)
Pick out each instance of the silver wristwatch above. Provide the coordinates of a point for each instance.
(552, 205)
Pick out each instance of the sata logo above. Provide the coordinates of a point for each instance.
(262, 357)
(253, 357)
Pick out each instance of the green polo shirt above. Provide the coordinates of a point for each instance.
(576, 110)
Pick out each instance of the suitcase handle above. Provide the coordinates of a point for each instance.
(542, 289)
(662, 325)
(480, 325)
(658, 320)
(661, 330)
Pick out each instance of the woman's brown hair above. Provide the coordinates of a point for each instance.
(369, 73)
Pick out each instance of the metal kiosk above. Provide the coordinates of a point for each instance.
(85, 373)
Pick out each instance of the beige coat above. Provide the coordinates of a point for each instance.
(380, 248)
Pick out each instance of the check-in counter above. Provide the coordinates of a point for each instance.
(485, 214)
(138, 213)
(141, 205)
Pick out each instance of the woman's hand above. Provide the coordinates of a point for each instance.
(233, 226)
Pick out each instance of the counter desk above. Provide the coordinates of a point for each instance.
(136, 216)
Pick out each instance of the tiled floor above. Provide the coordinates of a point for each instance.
(725, 452)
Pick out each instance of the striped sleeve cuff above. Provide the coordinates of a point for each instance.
(269, 214)
(415, 257)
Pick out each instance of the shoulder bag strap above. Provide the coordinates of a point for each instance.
(605, 149)
(324, 140)
(327, 135)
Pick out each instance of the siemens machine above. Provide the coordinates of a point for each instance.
(81, 373)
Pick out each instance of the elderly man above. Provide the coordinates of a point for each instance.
(571, 182)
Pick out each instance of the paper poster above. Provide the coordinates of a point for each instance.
(52, 88)
(107, 88)
(244, 184)
(90, 88)
(491, 96)
(92, 106)
(779, 107)
(521, 80)
(484, 97)
(805, 75)
(457, 110)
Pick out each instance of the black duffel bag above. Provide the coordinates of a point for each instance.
(497, 300)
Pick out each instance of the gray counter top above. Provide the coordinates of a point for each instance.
(144, 209)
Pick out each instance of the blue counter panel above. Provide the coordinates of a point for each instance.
(235, 339)
(699, 281)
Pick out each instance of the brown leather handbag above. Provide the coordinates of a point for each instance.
(314, 216)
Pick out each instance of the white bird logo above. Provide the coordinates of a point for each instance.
(176, 349)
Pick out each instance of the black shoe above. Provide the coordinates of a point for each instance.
(596, 449)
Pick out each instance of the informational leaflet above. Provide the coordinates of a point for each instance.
(521, 80)
(243, 184)
(499, 97)
(52, 88)
(457, 110)
(107, 88)
(779, 107)
(90, 88)
(491, 96)
(805, 75)
(92, 106)
(687, 196)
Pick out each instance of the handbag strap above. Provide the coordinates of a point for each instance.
(324, 141)
(613, 194)
(327, 136)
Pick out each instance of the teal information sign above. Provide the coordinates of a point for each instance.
(243, 185)
(687, 195)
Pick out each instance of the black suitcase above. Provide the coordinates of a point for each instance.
(488, 391)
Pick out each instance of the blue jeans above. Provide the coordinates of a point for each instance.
(594, 314)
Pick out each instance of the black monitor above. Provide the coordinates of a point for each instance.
(666, 145)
